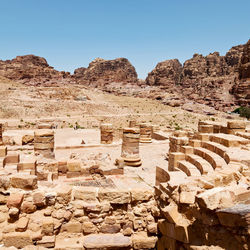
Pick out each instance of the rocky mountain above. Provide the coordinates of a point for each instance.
(33, 70)
(241, 89)
(218, 81)
(101, 72)
(165, 73)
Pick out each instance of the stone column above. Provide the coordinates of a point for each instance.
(44, 143)
(1, 134)
(146, 133)
(106, 133)
(130, 147)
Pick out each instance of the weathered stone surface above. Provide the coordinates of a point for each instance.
(72, 227)
(236, 216)
(28, 207)
(23, 181)
(102, 241)
(141, 194)
(216, 198)
(17, 239)
(110, 228)
(114, 196)
(32, 70)
(86, 194)
(63, 194)
(165, 73)
(142, 241)
(102, 71)
(73, 242)
(47, 226)
(15, 200)
(22, 224)
(47, 241)
(39, 199)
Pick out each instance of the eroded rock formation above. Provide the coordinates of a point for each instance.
(242, 88)
(206, 79)
(165, 73)
(102, 71)
(33, 70)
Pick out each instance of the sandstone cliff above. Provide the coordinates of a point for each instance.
(165, 73)
(206, 79)
(33, 70)
(101, 72)
(241, 89)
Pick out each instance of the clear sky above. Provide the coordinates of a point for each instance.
(71, 33)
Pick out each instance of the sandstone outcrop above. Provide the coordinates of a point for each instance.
(166, 73)
(213, 80)
(102, 71)
(32, 70)
(242, 88)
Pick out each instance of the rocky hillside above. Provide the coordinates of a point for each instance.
(241, 89)
(206, 79)
(101, 72)
(33, 70)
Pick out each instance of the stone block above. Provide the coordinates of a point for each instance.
(47, 226)
(142, 241)
(103, 241)
(46, 241)
(63, 194)
(39, 199)
(72, 227)
(114, 196)
(17, 239)
(141, 195)
(23, 181)
(236, 124)
(74, 165)
(85, 194)
(15, 200)
(3, 151)
(74, 242)
(215, 198)
(22, 224)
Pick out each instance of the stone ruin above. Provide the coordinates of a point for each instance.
(200, 198)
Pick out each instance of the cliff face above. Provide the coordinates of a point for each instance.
(241, 89)
(101, 72)
(32, 69)
(165, 73)
(206, 79)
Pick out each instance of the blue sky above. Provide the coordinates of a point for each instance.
(71, 33)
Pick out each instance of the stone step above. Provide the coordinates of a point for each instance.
(188, 168)
(214, 159)
(216, 148)
(200, 163)
(229, 140)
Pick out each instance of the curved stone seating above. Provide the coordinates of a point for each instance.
(214, 159)
(200, 163)
(216, 148)
(188, 168)
(229, 140)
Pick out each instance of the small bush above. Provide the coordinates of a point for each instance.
(243, 111)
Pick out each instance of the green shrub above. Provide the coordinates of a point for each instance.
(243, 111)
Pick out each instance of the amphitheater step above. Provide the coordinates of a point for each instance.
(200, 163)
(229, 140)
(214, 159)
(216, 148)
(188, 168)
